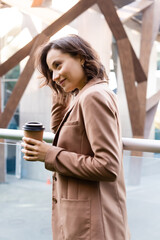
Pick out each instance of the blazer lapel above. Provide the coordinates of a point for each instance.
(60, 126)
(90, 83)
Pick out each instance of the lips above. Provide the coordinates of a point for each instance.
(62, 81)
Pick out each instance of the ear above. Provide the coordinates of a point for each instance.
(81, 59)
(82, 62)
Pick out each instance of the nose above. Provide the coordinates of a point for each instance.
(55, 76)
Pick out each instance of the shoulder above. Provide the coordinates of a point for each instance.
(99, 94)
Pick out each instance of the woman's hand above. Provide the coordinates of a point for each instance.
(34, 150)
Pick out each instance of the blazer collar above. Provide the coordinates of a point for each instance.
(92, 82)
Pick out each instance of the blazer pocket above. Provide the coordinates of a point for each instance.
(75, 219)
(71, 123)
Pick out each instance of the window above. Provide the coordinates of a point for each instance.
(8, 83)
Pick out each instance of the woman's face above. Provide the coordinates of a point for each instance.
(67, 71)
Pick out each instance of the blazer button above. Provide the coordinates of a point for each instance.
(54, 200)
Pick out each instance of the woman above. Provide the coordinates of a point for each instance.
(89, 199)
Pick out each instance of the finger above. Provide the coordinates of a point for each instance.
(28, 146)
(30, 141)
(29, 153)
(30, 158)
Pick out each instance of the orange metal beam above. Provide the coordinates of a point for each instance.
(131, 67)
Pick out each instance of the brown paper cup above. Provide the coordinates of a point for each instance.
(38, 135)
(34, 130)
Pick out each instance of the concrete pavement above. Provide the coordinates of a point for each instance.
(25, 210)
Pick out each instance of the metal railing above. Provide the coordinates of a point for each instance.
(15, 134)
(130, 144)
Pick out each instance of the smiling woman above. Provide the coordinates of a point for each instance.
(89, 199)
(67, 71)
(76, 49)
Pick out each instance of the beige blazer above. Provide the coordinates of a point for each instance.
(89, 199)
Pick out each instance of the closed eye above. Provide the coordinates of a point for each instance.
(56, 65)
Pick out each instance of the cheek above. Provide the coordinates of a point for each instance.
(77, 71)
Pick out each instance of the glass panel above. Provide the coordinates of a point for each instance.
(142, 176)
(25, 204)
(11, 152)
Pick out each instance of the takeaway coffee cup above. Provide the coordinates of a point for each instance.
(34, 130)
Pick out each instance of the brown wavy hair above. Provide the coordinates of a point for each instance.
(75, 46)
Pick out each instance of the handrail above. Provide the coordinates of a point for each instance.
(141, 145)
(131, 144)
(15, 134)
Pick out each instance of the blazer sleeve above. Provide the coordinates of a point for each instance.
(102, 129)
(60, 105)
